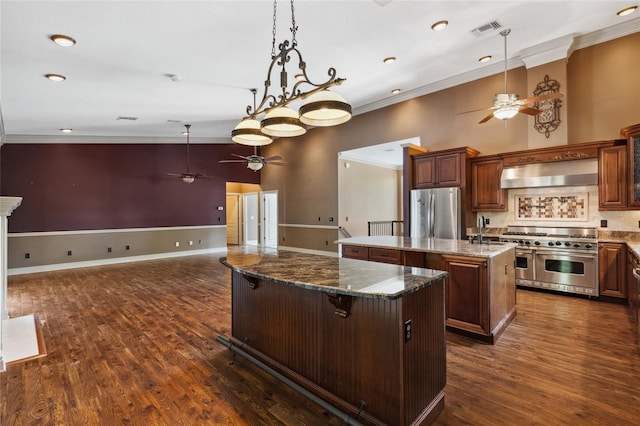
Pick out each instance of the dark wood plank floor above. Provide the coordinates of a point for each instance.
(135, 344)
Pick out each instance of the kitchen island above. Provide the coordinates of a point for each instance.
(368, 338)
(480, 288)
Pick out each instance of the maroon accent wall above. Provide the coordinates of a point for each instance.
(111, 186)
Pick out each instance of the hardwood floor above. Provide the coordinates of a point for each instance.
(135, 344)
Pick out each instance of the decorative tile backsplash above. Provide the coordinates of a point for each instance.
(573, 207)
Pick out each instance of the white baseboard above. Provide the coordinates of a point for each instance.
(99, 262)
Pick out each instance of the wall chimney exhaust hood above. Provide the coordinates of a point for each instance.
(559, 173)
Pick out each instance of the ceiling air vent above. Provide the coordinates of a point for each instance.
(122, 117)
(483, 29)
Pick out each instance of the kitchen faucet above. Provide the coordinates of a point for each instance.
(480, 227)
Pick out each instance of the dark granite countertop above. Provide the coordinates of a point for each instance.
(331, 274)
(432, 245)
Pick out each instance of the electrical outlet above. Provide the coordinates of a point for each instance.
(127, 247)
(486, 221)
(408, 329)
(177, 243)
(603, 223)
(108, 249)
(69, 253)
(27, 255)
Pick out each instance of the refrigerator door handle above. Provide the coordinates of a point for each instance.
(432, 208)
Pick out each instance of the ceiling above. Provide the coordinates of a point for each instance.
(219, 49)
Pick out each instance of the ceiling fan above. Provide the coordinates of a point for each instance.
(255, 162)
(507, 105)
(188, 176)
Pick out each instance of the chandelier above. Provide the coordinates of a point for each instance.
(321, 107)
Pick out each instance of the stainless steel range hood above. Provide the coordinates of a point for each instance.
(560, 173)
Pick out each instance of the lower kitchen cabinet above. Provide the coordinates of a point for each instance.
(466, 294)
(612, 267)
(480, 293)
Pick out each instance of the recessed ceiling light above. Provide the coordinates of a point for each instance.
(63, 40)
(485, 58)
(66, 130)
(55, 77)
(395, 91)
(389, 60)
(439, 26)
(626, 11)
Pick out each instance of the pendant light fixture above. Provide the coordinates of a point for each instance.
(248, 131)
(321, 107)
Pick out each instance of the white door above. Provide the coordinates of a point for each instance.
(270, 219)
(233, 219)
(250, 213)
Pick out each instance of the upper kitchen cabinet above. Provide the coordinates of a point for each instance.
(486, 193)
(442, 169)
(632, 133)
(612, 177)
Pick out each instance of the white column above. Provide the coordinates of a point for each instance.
(7, 206)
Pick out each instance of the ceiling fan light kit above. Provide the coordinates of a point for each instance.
(322, 108)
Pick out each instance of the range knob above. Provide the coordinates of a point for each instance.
(576, 245)
(568, 244)
(537, 243)
(588, 245)
(558, 243)
(527, 242)
(520, 241)
(551, 244)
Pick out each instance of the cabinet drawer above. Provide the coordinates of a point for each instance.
(355, 252)
(385, 256)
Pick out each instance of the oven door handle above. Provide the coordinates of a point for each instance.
(636, 273)
(566, 253)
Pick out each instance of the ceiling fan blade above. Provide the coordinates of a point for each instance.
(240, 156)
(232, 161)
(475, 110)
(274, 158)
(487, 118)
(175, 174)
(276, 164)
(545, 97)
(529, 111)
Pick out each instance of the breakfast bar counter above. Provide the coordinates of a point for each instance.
(367, 338)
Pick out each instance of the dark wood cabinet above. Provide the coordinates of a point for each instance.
(442, 169)
(612, 178)
(435, 171)
(612, 266)
(632, 133)
(386, 256)
(466, 297)
(486, 194)
(355, 252)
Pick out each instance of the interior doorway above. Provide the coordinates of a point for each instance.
(250, 214)
(269, 210)
(233, 219)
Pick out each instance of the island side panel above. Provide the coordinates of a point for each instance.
(425, 354)
(279, 321)
(361, 356)
(502, 292)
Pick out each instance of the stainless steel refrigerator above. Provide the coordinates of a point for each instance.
(436, 213)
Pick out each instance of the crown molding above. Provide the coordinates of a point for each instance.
(80, 139)
(369, 161)
(550, 51)
(579, 42)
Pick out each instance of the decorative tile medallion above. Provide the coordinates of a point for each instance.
(553, 207)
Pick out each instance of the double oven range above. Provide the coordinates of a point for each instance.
(556, 258)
